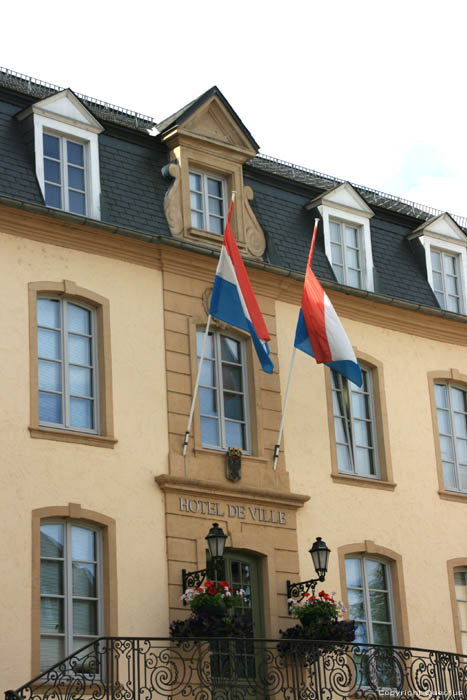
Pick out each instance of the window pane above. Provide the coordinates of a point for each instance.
(339, 272)
(382, 634)
(351, 236)
(441, 396)
(196, 201)
(451, 285)
(79, 319)
(50, 408)
(51, 540)
(335, 232)
(435, 260)
(356, 605)
(77, 202)
(353, 258)
(359, 405)
(52, 171)
(362, 431)
(450, 264)
(233, 406)
(230, 349)
(462, 607)
(214, 187)
(195, 182)
(50, 375)
(75, 178)
(379, 605)
(52, 577)
(53, 196)
(197, 220)
(84, 580)
(376, 574)
(453, 304)
(438, 282)
(460, 582)
(75, 152)
(84, 617)
(459, 399)
(48, 313)
(48, 344)
(353, 278)
(443, 422)
(361, 633)
(83, 544)
(339, 430)
(460, 425)
(80, 381)
(353, 572)
(209, 349)
(343, 458)
(79, 350)
(364, 461)
(232, 377)
(209, 431)
(208, 401)
(446, 448)
(208, 377)
(81, 413)
(463, 478)
(215, 206)
(216, 225)
(234, 434)
(52, 651)
(52, 615)
(449, 476)
(51, 146)
(336, 253)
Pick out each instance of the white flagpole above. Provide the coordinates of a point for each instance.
(195, 392)
(279, 437)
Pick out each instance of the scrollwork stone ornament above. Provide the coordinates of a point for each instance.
(173, 200)
(254, 235)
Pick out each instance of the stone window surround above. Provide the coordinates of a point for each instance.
(368, 548)
(452, 376)
(386, 480)
(452, 565)
(107, 525)
(72, 292)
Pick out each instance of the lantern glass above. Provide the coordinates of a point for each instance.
(320, 556)
(216, 541)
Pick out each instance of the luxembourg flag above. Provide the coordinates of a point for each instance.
(320, 333)
(233, 300)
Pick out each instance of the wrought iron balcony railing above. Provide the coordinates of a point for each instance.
(120, 668)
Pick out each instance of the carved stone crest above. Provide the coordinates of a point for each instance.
(233, 470)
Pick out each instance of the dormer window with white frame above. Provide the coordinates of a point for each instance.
(66, 152)
(446, 261)
(347, 238)
(207, 202)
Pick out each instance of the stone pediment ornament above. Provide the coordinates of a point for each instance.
(254, 235)
(173, 200)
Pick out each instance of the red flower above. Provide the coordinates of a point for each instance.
(209, 584)
(224, 584)
(212, 590)
(231, 590)
(322, 594)
(313, 598)
(306, 595)
(199, 590)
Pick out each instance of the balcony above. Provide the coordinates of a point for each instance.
(124, 668)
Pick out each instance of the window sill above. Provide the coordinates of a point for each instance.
(69, 436)
(459, 496)
(364, 482)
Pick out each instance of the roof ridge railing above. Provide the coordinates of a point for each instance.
(406, 206)
(40, 88)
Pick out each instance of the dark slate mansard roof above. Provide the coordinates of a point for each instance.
(133, 189)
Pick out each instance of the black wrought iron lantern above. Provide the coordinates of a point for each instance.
(216, 543)
(320, 555)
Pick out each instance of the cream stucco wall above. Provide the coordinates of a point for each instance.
(119, 482)
(411, 520)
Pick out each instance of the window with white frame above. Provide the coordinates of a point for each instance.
(354, 425)
(446, 283)
(71, 610)
(207, 202)
(67, 364)
(346, 256)
(370, 599)
(460, 585)
(223, 402)
(64, 173)
(451, 409)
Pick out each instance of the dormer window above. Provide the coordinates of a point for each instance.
(64, 174)
(445, 246)
(207, 202)
(347, 237)
(66, 150)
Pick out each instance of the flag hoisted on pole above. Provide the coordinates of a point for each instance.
(233, 301)
(319, 333)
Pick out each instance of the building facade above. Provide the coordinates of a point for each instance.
(110, 231)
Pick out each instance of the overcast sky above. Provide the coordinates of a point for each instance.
(373, 92)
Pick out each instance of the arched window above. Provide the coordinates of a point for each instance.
(457, 577)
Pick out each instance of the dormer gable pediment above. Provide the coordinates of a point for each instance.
(66, 108)
(442, 226)
(343, 197)
(213, 122)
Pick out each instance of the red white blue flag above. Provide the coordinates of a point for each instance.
(233, 300)
(320, 333)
